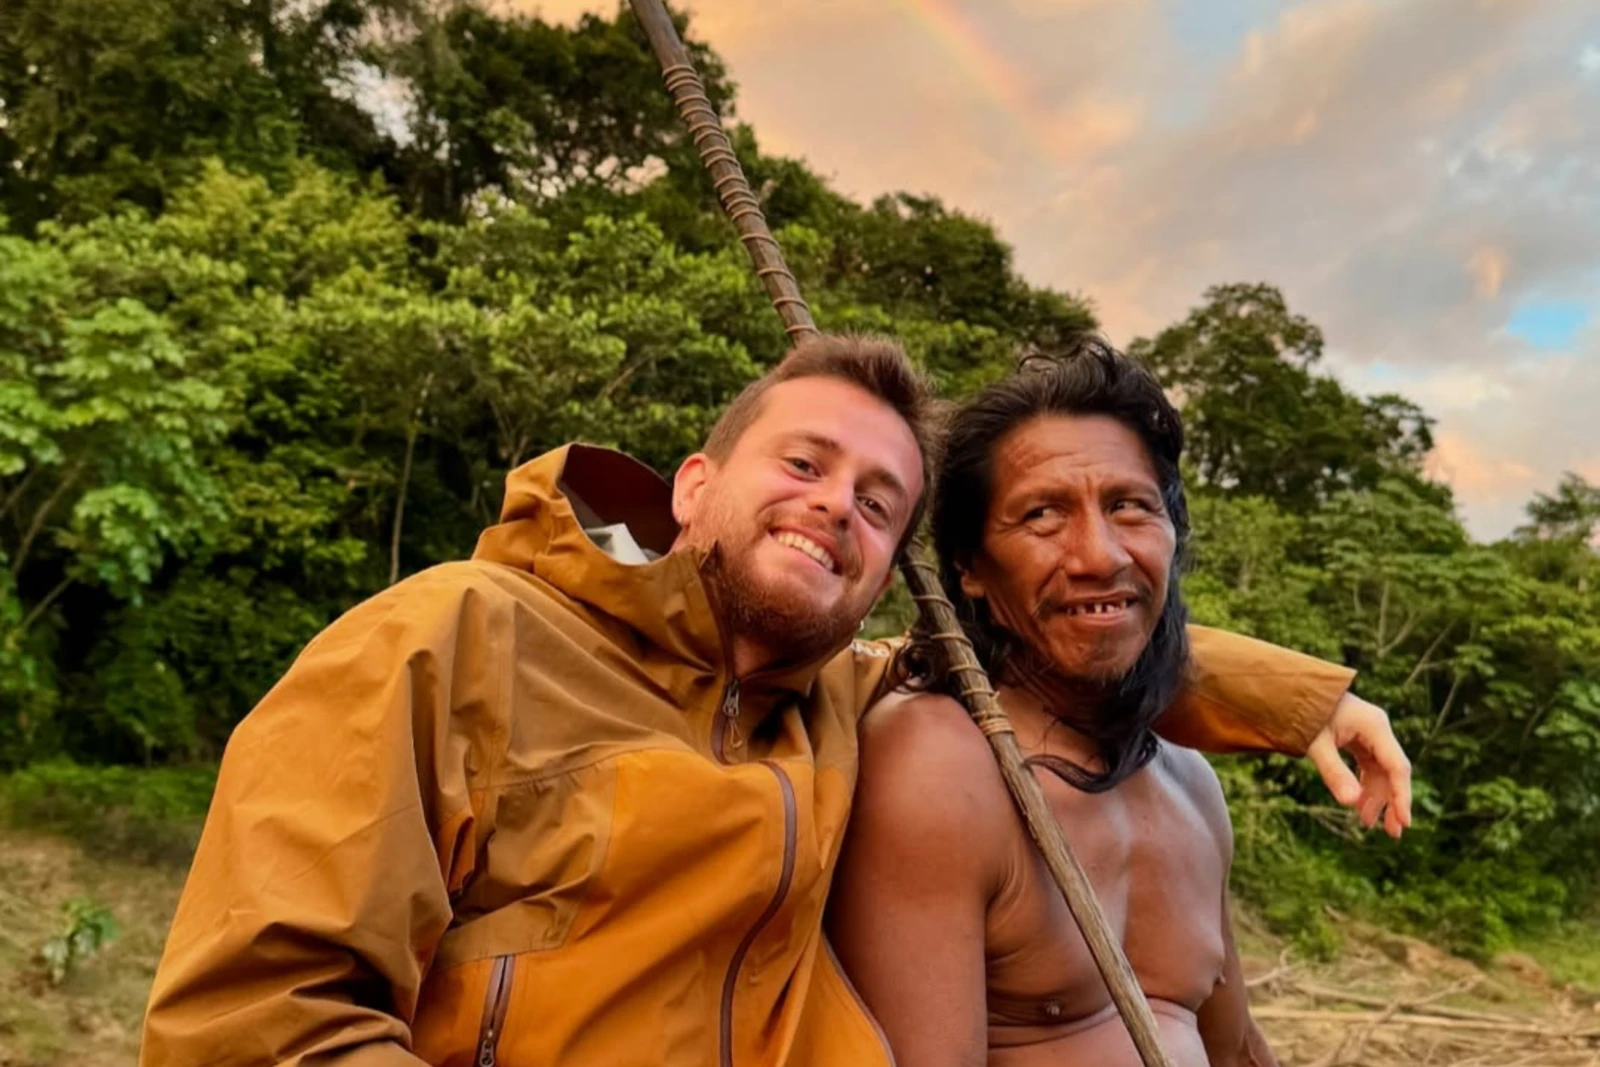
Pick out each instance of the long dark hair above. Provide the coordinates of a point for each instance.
(1089, 377)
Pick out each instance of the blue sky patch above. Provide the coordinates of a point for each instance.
(1215, 30)
(1548, 324)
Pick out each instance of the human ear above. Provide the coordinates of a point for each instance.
(970, 584)
(689, 485)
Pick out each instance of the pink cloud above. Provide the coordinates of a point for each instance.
(1474, 473)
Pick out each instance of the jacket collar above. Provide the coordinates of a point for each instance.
(549, 503)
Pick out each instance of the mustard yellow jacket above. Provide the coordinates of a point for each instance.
(516, 811)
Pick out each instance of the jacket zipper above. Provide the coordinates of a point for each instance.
(730, 984)
(728, 710)
(727, 718)
(495, 1004)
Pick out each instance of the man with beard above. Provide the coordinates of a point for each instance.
(579, 800)
(1060, 522)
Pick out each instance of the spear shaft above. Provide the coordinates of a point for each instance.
(977, 695)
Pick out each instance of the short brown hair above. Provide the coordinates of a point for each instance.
(875, 364)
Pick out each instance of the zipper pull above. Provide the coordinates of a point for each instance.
(730, 711)
(486, 1056)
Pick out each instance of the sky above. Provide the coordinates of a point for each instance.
(1420, 177)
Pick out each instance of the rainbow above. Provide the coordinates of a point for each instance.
(983, 65)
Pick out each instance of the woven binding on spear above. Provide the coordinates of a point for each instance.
(977, 695)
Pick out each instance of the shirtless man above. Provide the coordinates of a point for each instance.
(1060, 524)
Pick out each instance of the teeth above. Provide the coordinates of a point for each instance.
(808, 546)
(1100, 607)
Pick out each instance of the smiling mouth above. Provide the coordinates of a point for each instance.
(808, 548)
(1100, 607)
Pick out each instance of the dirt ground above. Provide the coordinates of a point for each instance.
(1391, 999)
(92, 1018)
(1388, 1000)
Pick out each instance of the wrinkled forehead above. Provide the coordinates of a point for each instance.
(1071, 453)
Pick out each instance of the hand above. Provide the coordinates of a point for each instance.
(1384, 786)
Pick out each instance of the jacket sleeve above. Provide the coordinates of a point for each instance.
(1245, 695)
(343, 819)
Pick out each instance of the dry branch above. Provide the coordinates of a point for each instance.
(1367, 1000)
(1354, 1018)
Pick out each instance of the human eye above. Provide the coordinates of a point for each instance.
(875, 508)
(802, 465)
(1135, 505)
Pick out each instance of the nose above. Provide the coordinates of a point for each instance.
(833, 498)
(1093, 551)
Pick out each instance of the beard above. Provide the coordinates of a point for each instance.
(789, 626)
(1101, 660)
(1109, 676)
(794, 629)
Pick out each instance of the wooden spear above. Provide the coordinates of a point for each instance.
(744, 211)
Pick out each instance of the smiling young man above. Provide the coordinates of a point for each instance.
(1060, 521)
(579, 799)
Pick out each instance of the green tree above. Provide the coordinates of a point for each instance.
(1260, 421)
(242, 277)
(534, 111)
(1489, 668)
(102, 427)
(106, 101)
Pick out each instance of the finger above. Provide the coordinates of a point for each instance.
(1392, 823)
(1398, 817)
(1339, 779)
(1376, 795)
(1400, 780)
(1389, 760)
(1371, 806)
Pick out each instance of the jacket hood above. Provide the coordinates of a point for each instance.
(552, 500)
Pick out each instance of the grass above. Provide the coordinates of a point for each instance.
(92, 1018)
(1570, 955)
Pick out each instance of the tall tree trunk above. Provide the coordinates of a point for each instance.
(22, 487)
(43, 606)
(412, 430)
(41, 516)
(400, 506)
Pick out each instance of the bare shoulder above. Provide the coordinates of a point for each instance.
(928, 768)
(1197, 782)
(925, 733)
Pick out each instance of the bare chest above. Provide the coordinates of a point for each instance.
(1159, 872)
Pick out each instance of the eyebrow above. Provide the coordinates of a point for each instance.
(1023, 493)
(824, 443)
(1134, 484)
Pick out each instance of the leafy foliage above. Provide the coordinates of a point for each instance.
(1261, 420)
(87, 928)
(147, 813)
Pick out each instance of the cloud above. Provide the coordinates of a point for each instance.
(1487, 269)
(1473, 472)
(1085, 129)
